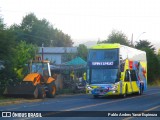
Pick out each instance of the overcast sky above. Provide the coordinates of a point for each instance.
(88, 20)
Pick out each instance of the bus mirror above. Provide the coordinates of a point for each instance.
(121, 76)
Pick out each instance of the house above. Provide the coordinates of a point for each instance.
(58, 55)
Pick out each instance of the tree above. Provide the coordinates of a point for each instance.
(159, 51)
(61, 39)
(36, 31)
(144, 44)
(116, 37)
(23, 53)
(1, 24)
(7, 44)
(82, 51)
(158, 56)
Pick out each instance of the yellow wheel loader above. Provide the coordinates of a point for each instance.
(37, 84)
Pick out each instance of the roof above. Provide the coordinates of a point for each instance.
(40, 61)
(76, 61)
(58, 50)
(106, 46)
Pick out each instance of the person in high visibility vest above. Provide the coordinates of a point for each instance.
(84, 76)
(72, 75)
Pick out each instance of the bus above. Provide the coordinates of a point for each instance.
(115, 69)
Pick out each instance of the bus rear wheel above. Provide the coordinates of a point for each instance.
(140, 92)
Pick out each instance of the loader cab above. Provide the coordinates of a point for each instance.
(41, 67)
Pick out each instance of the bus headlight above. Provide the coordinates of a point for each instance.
(115, 87)
(89, 88)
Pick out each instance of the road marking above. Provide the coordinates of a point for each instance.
(45, 102)
(93, 105)
(150, 109)
(77, 108)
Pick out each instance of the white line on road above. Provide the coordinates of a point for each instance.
(150, 109)
(93, 105)
(72, 100)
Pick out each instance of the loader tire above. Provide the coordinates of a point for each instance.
(51, 90)
(41, 92)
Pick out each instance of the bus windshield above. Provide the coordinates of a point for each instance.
(103, 55)
(103, 76)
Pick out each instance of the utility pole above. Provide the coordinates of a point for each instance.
(42, 51)
(132, 40)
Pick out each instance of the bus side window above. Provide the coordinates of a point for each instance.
(126, 76)
(133, 75)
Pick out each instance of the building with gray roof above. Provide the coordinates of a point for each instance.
(57, 55)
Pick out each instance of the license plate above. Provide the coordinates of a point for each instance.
(101, 93)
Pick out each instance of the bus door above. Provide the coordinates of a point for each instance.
(131, 79)
(128, 81)
(134, 80)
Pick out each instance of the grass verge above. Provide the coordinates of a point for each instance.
(9, 100)
(155, 83)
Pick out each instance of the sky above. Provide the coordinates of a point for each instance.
(91, 20)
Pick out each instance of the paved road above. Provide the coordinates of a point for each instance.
(147, 103)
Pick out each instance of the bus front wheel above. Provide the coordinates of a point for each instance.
(125, 93)
(95, 96)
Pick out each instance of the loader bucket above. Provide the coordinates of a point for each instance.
(24, 89)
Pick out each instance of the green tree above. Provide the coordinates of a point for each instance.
(82, 51)
(159, 51)
(23, 53)
(116, 37)
(2, 25)
(7, 44)
(36, 31)
(158, 55)
(144, 44)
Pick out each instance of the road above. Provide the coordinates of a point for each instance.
(87, 105)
